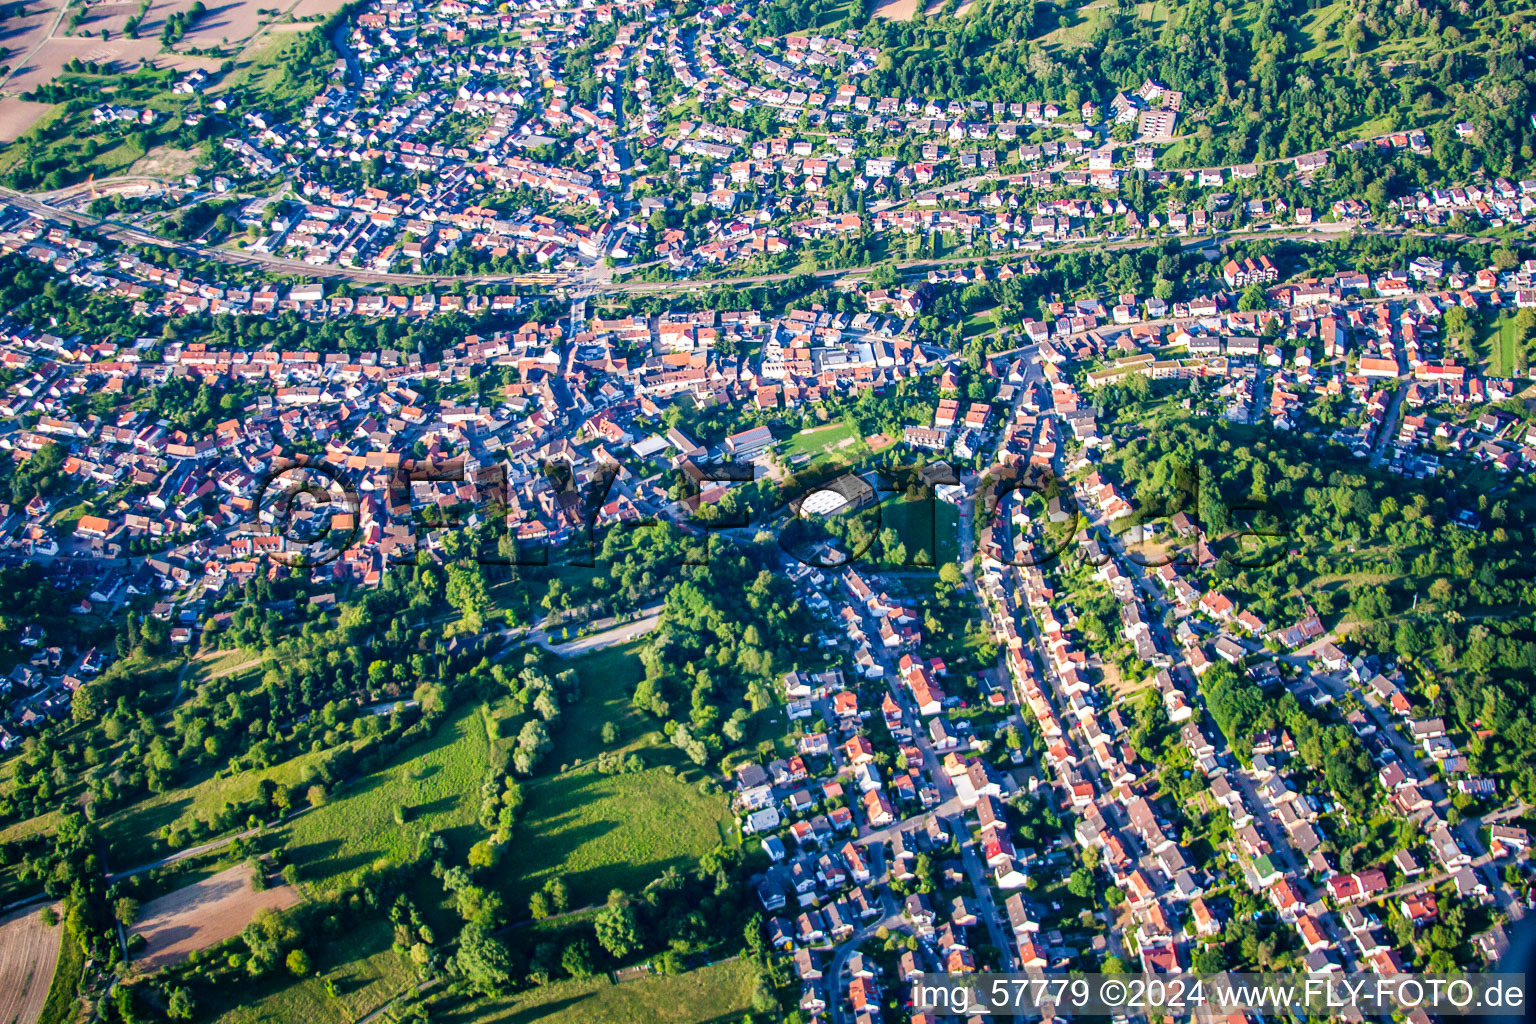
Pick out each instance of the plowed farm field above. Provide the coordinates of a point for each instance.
(203, 915)
(29, 950)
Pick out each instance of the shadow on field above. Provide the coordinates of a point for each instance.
(325, 852)
(477, 1013)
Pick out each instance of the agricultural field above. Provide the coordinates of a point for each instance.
(232, 24)
(25, 27)
(114, 17)
(29, 951)
(309, 10)
(204, 914)
(18, 116)
(63, 995)
(263, 63)
(48, 63)
(46, 146)
(718, 992)
(897, 10)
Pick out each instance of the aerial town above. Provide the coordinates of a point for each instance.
(634, 514)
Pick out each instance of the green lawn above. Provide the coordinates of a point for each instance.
(980, 321)
(602, 831)
(833, 439)
(364, 969)
(719, 992)
(606, 831)
(28, 826)
(608, 679)
(1501, 342)
(437, 781)
(259, 66)
(1323, 28)
(924, 526)
(598, 830)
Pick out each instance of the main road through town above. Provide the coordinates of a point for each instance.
(598, 279)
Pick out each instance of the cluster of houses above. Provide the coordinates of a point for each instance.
(1278, 814)
(38, 688)
(439, 94)
(857, 841)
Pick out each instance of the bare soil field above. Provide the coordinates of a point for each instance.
(186, 62)
(237, 22)
(49, 60)
(165, 162)
(204, 914)
(18, 115)
(227, 23)
(114, 14)
(29, 950)
(306, 9)
(20, 34)
(897, 10)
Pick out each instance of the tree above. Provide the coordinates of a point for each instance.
(577, 959)
(126, 910)
(1080, 884)
(950, 575)
(482, 959)
(179, 1005)
(559, 895)
(617, 930)
(1209, 960)
(298, 963)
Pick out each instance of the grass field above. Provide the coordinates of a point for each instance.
(601, 831)
(608, 679)
(719, 992)
(1500, 343)
(924, 527)
(437, 781)
(259, 64)
(605, 831)
(979, 322)
(834, 441)
(364, 969)
(132, 834)
(1323, 28)
(30, 826)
